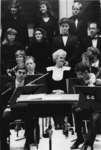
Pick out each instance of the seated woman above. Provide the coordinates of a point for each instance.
(20, 62)
(58, 73)
(56, 79)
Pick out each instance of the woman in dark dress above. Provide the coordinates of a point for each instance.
(59, 72)
(40, 49)
(46, 20)
(56, 79)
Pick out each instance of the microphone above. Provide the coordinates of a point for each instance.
(37, 79)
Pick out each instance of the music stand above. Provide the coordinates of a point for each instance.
(90, 90)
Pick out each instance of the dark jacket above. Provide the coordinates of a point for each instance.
(87, 42)
(18, 24)
(41, 53)
(55, 85)
(10, 93)
(80, 30)
(51, 27)
(71, 47)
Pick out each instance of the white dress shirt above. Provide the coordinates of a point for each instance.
(64, 38)
(76, 22)
(19, 84)
(94, 43)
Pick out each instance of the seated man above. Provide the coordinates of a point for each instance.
(94, 120)
(86, 110)
(10, 113)
(5, 113)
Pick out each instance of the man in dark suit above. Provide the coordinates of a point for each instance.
(5, 109)
(86, 109)
(67, 42)
(10, 113)
(92, 38)
(77, 26)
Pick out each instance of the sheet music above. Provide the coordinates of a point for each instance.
(30, 97)
(60, 97)
(48, 97)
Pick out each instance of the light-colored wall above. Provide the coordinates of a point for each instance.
(65, 8)
(100, 4)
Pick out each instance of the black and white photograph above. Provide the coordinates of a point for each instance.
(50, 75)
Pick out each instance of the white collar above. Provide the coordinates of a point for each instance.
(19, 84)
(57, 73)
(51, 68)
(65, 38)
(30, 73)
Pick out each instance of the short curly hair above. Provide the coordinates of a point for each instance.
(59, 52)
(80, 67)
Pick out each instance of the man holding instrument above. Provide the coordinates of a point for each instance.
(10, 113)
(5, 107)
(86, 109)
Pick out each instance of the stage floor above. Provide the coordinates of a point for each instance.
(59, 141)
